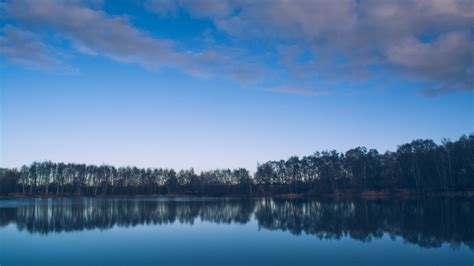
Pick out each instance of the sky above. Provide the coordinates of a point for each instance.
(226, 84)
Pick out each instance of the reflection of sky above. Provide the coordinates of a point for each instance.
(207, 243)
(125, 114)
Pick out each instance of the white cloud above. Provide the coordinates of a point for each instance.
(364, 33)
(95, 32)
(429, 41)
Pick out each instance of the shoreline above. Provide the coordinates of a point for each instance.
(340, 195)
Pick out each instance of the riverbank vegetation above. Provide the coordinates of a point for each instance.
(421, 166)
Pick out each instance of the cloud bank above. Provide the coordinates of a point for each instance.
(431, 42)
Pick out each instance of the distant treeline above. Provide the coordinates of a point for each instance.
(421, 166)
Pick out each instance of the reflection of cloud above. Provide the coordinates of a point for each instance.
(430, 41)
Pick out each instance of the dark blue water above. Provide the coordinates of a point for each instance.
(190, 231)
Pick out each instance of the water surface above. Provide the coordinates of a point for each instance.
(207, 231)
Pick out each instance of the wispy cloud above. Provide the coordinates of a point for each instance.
(303, 91)
(95, 32)
(24, 47)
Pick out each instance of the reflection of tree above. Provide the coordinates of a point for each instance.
(80, 214)
(427, 223)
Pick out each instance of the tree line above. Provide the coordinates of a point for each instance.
(421, 166)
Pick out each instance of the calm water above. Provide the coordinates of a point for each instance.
(190, 231)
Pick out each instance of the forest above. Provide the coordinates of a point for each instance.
(421, 166)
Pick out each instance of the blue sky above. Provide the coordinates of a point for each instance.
(218, 84)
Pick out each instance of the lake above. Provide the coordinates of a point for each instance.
(231, 231)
